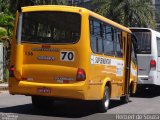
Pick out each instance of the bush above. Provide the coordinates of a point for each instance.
(3, 32)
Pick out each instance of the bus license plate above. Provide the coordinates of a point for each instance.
(44, 90)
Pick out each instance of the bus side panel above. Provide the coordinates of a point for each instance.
(100, 74)
(145, 74)
(157, 58)
(13, 45)
(133, 77)
(97, 78)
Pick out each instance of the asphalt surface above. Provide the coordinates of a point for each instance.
(19, 107)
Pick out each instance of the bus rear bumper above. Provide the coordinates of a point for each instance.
(145, 80)
(71, 91)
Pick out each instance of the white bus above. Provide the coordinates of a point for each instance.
(148, 56)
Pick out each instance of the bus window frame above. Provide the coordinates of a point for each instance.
(19, 30)
(143, 30)
(100, 22)
(113, 28)
(120, 43)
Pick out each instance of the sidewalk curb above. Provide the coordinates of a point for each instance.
(3, 88)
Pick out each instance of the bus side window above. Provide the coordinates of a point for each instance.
(108, 40)
(96, 36)
(91, 24)
(118, 43)
(92, 37)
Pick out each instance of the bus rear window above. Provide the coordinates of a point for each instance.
(50, 27)
(143, 41)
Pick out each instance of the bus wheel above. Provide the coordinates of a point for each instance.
(103, 104)
(124, 99)
(41, 102)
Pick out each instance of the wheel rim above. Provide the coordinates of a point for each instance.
(106, 102)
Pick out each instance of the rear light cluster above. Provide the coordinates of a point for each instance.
(81, 75)
(153, 65)
(11, 71)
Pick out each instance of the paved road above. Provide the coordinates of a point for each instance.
(20, 107)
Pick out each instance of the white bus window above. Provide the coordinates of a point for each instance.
(143, 41)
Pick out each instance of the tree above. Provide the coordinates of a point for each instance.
(127, 12)
(6, 30)
(4, 6)
(14, 3)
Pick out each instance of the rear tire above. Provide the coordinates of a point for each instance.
(41, 102)
(103, 104)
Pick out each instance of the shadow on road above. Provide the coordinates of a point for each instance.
(60, 109)
(116, 103)
(63, 109)
(147, 93)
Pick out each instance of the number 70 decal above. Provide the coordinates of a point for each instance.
(67, 56)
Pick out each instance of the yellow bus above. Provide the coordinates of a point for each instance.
(71, 53)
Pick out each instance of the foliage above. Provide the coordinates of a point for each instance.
(127, 12)
(15, 3)
(51, 2)
(4, 5)
(7, 21)
(3, 32)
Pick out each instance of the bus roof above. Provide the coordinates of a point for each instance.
(109, 21)
(73, 9)
(142, 28)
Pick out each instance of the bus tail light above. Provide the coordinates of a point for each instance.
(81, 75)
(11, 71)
(153, 65)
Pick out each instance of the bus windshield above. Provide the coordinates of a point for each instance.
(50, 27)
(143, 41)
